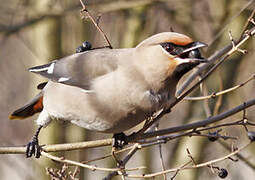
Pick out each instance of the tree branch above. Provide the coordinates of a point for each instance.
(206, 164)
(59, 147)
(194, 125)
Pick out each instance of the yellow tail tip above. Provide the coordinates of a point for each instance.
(12, 117)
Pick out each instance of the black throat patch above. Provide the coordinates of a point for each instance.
(183, 68)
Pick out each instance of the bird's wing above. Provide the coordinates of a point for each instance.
(81, 68)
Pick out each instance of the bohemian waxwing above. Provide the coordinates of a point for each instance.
(112, 90)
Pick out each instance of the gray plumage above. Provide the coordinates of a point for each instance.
(112, 90)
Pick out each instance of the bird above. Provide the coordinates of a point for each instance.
(111, 90)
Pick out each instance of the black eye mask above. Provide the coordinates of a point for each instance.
(188, 51)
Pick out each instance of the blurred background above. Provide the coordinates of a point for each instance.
(34, 32)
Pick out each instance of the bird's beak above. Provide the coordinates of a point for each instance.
(193, 46)
(194, 60)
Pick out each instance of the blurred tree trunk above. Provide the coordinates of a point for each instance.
(47, 44)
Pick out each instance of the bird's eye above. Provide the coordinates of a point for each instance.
(194, 54)
(169, 47)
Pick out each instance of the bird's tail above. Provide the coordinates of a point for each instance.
(32, 107)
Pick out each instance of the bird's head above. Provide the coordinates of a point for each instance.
(175, 51)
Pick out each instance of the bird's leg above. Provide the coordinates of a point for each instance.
(33, 147)
(119, 140)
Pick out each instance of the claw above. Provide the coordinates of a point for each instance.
(33, 147)
(119, 140)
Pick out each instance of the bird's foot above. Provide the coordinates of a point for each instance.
(33, 147)
(86, 46)
(119, 140)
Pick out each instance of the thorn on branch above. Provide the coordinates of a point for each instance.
(233, 148)
(245, 119)
(252, 20)
(232, 159)
(190, 156)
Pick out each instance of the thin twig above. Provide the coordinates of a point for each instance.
(204, 90)
(196, 133)
(194, 125)
(248, 21)
(122, 172)
(239, 156)
(213, 95)
(206, 164)
(191, 157)
(178, 169)
(91, 167)
(84, 9)
(219, 100)
(161, 154)
(108, 155)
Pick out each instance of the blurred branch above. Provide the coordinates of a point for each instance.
(102, 7)
(17, 27)
(231, 19)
